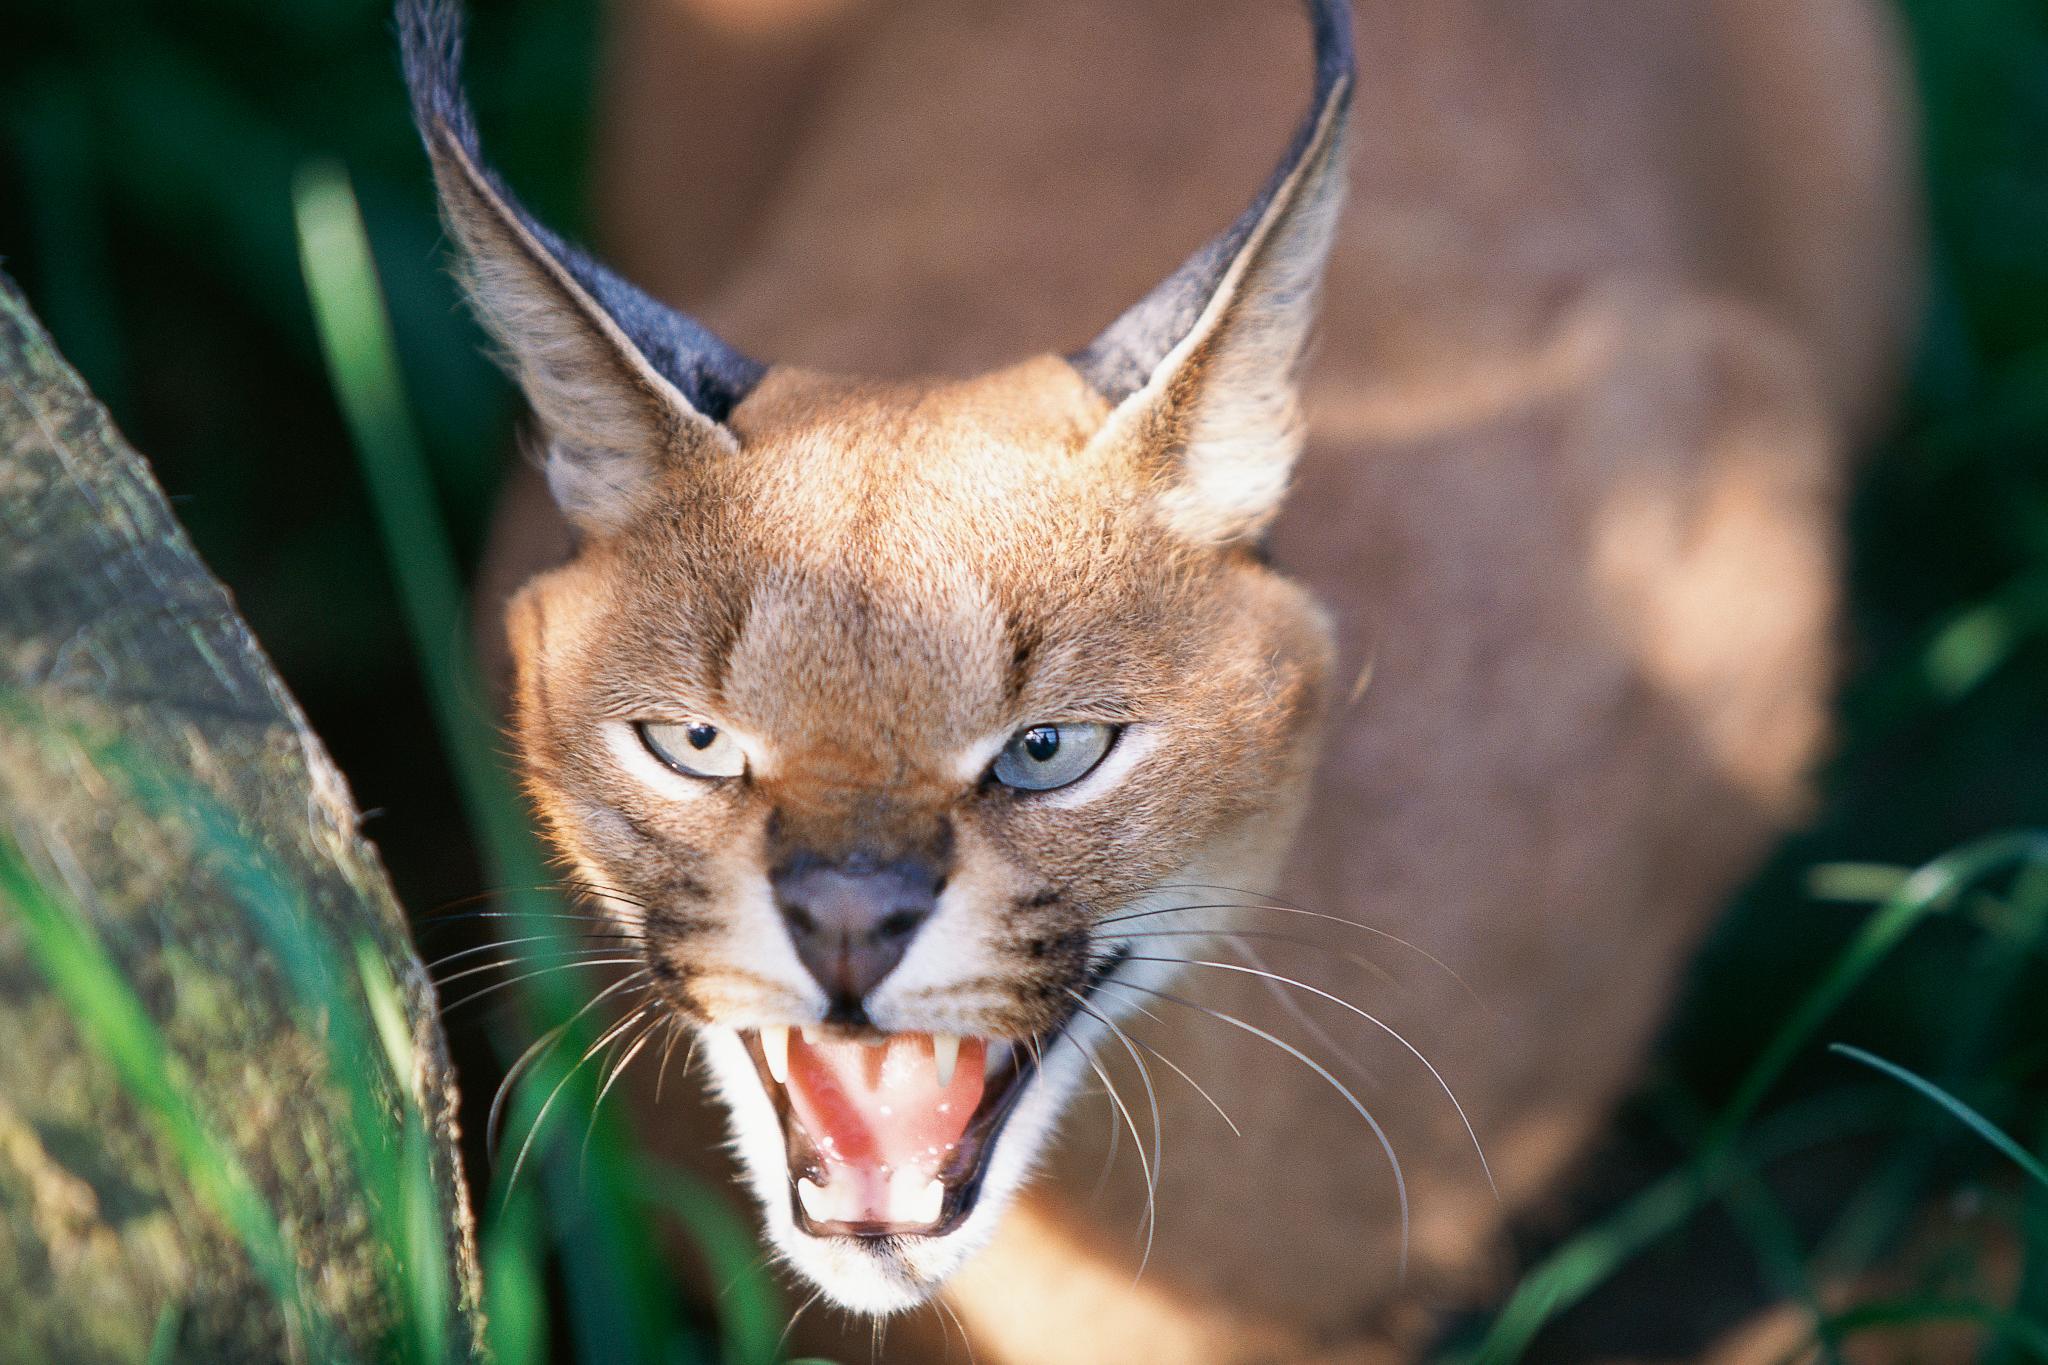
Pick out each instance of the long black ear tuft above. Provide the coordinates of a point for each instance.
(620, 381)
(1206, 365)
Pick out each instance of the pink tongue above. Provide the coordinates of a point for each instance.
(878, 1115)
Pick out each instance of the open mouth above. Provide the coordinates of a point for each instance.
(889, 1134)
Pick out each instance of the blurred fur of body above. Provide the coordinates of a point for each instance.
(1618, 287)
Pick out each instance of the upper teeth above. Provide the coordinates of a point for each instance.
(775, 1050)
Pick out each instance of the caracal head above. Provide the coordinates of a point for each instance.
(873, 711)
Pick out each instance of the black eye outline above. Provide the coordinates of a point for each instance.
(1023, 740)
(700, 735)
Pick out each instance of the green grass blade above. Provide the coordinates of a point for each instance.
(355, 337)
(1571, 1272)
(2023, 1332)
(163, 1342)
(1969, 1117)
(622, 1301)
(114, 1022)
(752, 1311)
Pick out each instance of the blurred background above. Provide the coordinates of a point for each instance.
(148, 155)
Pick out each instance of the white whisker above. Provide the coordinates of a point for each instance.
(1370, 1018)
(551, 1037)
(481, 992)
(1145, 1077)
(1400, 1180)
(1151, 1190)
(539, 1119)
(447, 958)
(631, 1051)
(1280, 908)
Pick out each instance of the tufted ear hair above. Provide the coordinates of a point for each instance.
(1204, 370)
(621, 383)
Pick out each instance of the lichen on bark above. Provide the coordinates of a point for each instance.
(114, 635)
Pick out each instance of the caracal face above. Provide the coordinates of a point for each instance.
(883, 719)
(871, 612)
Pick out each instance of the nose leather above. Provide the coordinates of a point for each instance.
(853, 920)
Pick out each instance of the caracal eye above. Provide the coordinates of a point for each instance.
(1039, 758)
(693, 748)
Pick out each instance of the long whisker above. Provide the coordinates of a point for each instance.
(427, 923)
(965, 1339)
(482, 897)
(1300, 1014)
(548, 1039)
(1111, 1149)
(1370, 1018)
(794, 1318)
(1400, 1180)
(1365, 964)
(597, 890)
(1124, 917)
(1151, 1190)
(668, 1050)
(447, 958)
(483, 991)
(632, 1050)
(1145, 1077)
(1161, 1057)
(539, 1119)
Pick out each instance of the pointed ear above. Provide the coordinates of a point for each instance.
(622, 384)
(1203, 371)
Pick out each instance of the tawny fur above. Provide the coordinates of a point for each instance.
(1615, 290)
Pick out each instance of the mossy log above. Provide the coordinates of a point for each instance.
(115, 638)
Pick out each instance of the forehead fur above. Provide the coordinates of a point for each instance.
(964, 551)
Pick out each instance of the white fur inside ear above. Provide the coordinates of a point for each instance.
(1130, 750)
(1239, 414)
(594, 486)
(611, 415)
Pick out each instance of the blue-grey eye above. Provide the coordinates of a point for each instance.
(693, 748)
(1040, 758)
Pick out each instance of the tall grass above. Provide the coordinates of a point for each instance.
(1932, 977)
(150, 159)
(598, 1190)
(343, 994)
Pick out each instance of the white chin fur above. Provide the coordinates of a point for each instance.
(889, 1276)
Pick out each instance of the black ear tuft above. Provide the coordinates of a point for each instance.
(709, 375)
(1204, 371)
(1125, 356)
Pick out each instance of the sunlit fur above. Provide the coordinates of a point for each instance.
(866, 585)
(885, 575)
(1613, 286)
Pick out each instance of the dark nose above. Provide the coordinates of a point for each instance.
(853, 920)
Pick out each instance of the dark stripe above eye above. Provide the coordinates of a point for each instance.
(1024, 641)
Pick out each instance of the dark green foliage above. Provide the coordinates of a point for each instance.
(147, 157)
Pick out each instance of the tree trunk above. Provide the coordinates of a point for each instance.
(153, 770)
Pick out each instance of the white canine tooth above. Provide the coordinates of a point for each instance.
(931, 1204)
(946, 1055)
(811, 1195)
(811, 1034)
(775, 1047)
